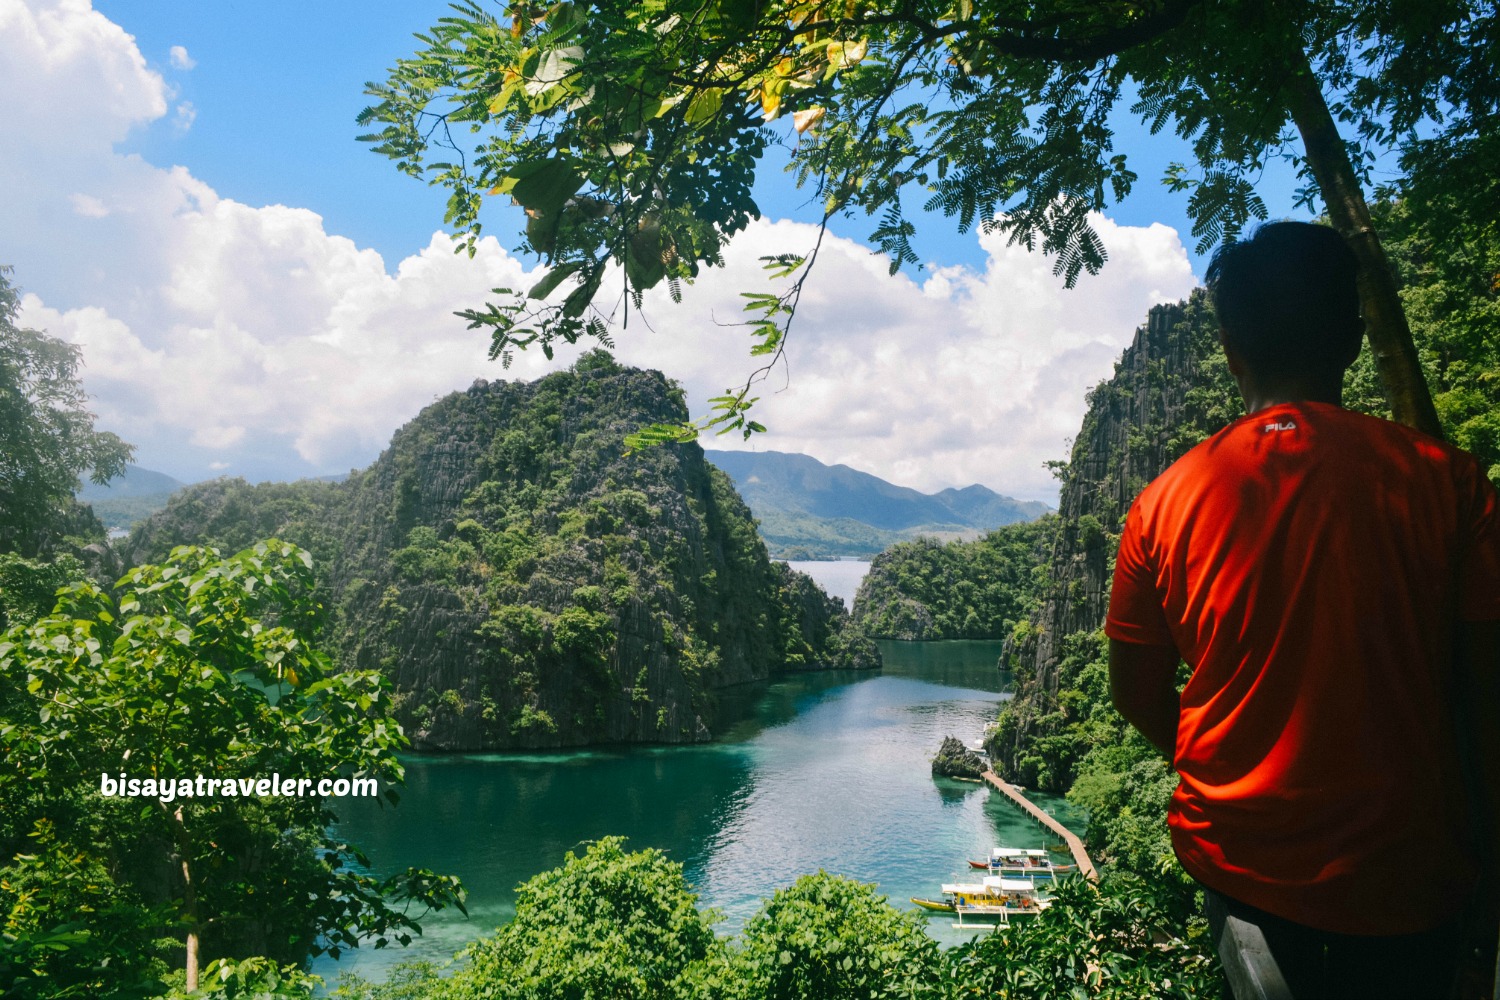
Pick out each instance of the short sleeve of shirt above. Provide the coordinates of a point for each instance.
(1135, 606)
(1479, 554)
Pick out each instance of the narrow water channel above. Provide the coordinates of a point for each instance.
(824, 770)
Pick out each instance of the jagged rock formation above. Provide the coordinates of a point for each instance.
(1170, 390)
(523, 582)
(954, 760)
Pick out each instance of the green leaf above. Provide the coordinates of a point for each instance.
(578, 300)
(541, 186)
(554, 277)
(704, 106)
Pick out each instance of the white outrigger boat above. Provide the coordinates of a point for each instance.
(1019, 862)
(994, 897)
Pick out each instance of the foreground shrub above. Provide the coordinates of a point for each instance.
(830, 938)
(1122, 939)
(605, 926)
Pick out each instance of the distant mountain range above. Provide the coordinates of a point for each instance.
(808, 510)
(136, 482)
(129, 498)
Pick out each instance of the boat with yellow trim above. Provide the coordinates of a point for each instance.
(994, 897)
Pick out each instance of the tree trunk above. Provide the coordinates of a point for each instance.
(1385, 320)
(189, 897)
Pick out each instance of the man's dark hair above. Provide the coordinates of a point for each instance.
(1286, 299)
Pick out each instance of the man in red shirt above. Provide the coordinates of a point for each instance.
(1333, 581)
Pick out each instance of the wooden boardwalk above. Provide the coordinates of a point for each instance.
(1080, 857)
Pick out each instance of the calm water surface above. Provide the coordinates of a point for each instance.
(826, 770)
(841, 578)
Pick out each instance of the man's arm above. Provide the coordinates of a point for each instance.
(1143, 686)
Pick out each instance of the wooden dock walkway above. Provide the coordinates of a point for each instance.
(1080, 857)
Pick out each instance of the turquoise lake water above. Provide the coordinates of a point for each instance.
(824, 770)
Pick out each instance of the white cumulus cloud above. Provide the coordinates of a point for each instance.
(180, 59)
(966, 377)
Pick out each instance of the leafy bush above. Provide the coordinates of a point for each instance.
(606, 925)
(830, 938)
(611, 924)
(1122, 939)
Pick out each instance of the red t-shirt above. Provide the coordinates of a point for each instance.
(1310, 564)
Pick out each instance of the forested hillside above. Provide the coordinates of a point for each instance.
(524, 582)
(982, 589)
(129, 498)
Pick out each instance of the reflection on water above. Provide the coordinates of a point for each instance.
(959, 663)
(822, 770)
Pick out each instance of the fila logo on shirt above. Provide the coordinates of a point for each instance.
(1280, 425)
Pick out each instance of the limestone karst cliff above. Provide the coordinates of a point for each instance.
(1170, 390)
(526, 583)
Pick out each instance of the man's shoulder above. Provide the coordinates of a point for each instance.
(1344, 436)
(1400, 439)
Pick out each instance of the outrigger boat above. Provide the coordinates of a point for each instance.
(993, 897)
(1017, 862)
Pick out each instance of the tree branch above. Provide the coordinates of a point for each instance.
(1111, 41)
(1385, 320)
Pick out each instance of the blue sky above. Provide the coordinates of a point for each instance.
(276, 87)
(257, 294)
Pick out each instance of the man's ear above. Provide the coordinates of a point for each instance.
(1356, 344)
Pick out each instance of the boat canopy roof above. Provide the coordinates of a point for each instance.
(999, 883)
(1017, 852)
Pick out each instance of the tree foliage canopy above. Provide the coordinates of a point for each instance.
(630, 131)
(47, 436)
(201, 666)
(605, 924)
(981, 589)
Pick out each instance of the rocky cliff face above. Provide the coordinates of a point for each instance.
(525, 583)
(1170, 390)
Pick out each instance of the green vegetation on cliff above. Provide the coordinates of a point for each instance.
(1171, 390)
(962, 590)
(526, 583)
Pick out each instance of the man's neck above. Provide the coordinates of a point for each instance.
(1260, 395)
